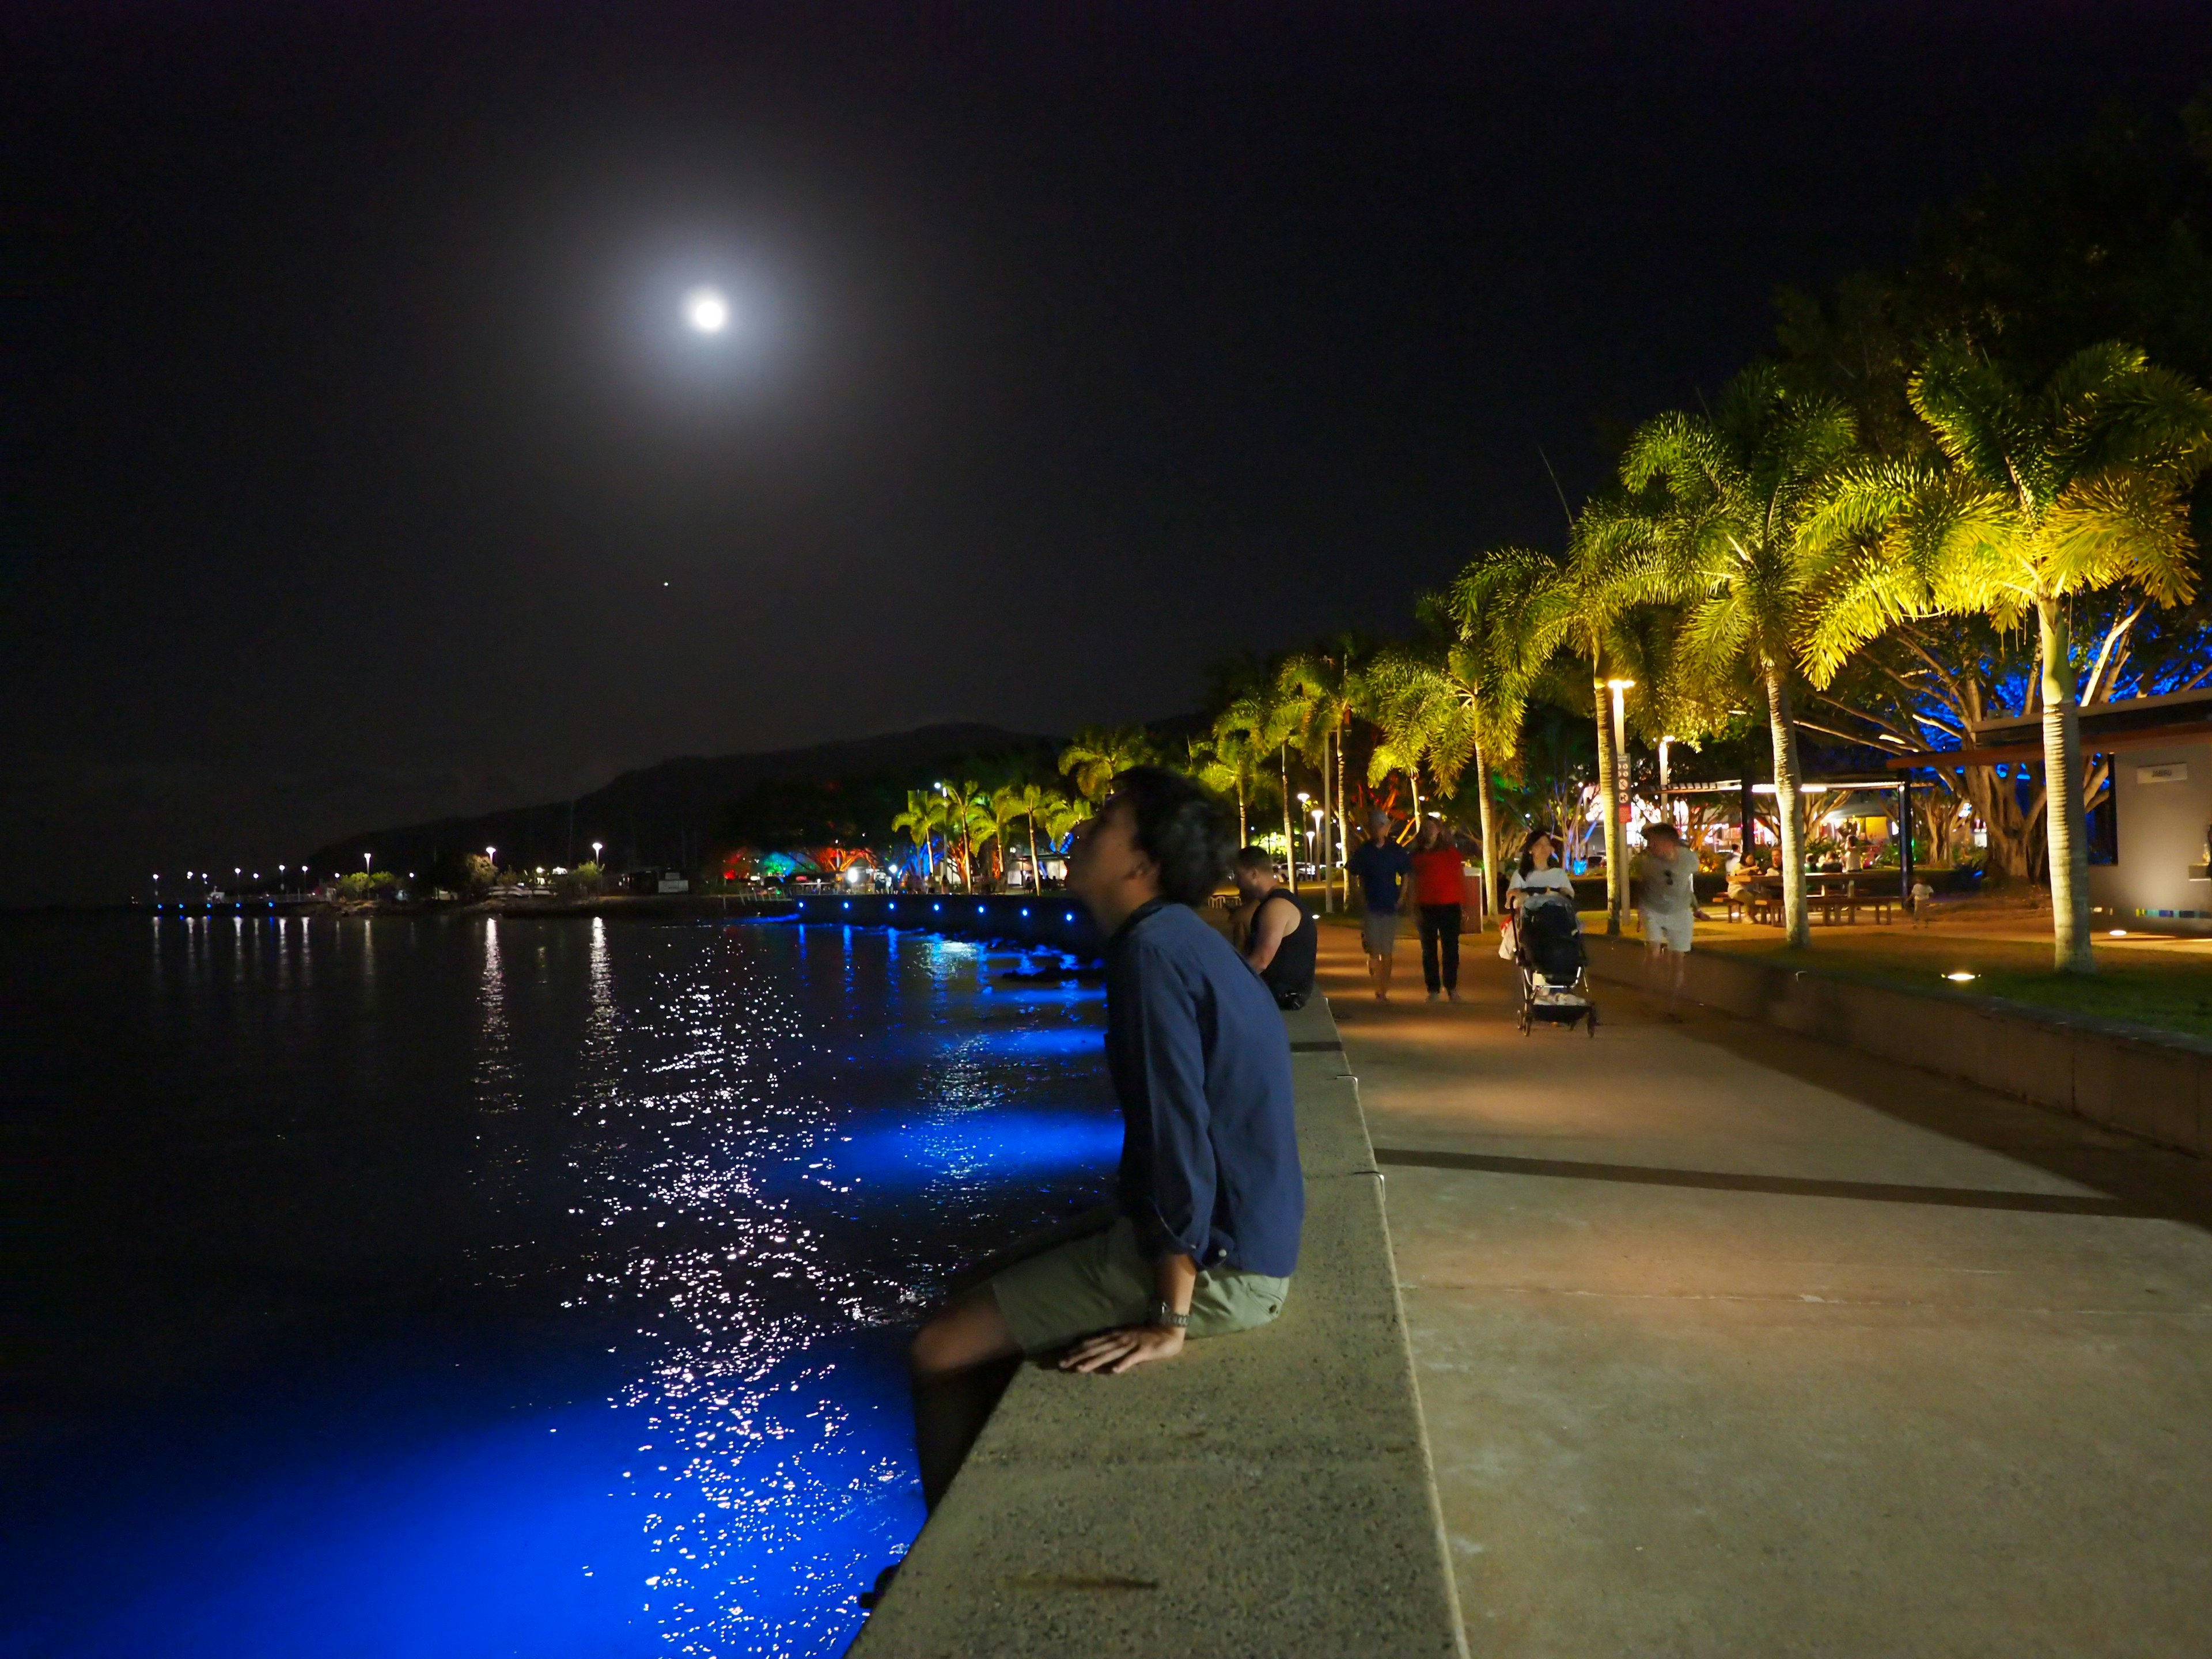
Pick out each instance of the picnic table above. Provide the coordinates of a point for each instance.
(1830, 895)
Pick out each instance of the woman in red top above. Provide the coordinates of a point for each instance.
(1439, 891)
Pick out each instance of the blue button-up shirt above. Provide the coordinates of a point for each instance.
(1202, 1066)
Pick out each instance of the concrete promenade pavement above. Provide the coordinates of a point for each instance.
(1732, 1342)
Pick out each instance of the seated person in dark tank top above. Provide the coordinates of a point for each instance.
(1277, 934)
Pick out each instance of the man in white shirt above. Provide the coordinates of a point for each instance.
(1665, 874)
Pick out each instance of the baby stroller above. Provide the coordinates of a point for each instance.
(1547, 947)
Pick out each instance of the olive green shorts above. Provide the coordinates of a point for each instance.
(1103, 1280)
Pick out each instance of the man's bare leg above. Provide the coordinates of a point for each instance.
(1662, 961)
(962, 1361)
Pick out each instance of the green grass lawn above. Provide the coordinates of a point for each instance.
(2167, 984)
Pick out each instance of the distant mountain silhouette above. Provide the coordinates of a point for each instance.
(670, 813)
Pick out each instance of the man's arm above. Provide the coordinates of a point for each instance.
(1115, 1352)
(1273, 926)
(1170, 1057)
(1171, 1060)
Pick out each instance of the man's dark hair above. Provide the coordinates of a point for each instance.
(1662, 827)
(1256, 858)
(1182, 828)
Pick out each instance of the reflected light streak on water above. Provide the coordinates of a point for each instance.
(600, 1243)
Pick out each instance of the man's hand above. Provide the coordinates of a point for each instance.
(1115, 1351)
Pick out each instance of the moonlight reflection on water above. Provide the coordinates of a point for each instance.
(599, 1241)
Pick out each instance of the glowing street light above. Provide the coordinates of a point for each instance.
(1619, 687)
(595, 850)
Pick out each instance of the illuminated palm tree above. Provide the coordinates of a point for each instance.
(2081, 485)
(1024, 801)
(1223, 762)
(1261, 721)
(1733, 537)
(1529, 608)
(1452, 704)
(924, 817)
(1004, 807)
(959, 801)
(1322, 688)
(1061, 814)
(1096, 755)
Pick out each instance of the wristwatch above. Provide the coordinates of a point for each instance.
(1164, 1314)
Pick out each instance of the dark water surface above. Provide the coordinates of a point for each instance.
(459, 1287)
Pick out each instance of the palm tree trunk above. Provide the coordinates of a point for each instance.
(1789, 822)
(1036, 869)
(1243, 828)
(1343, 821)
(967, 858)
(2062, 815)
(1321, 857)
(1609, 795)
(1290, 840)
(1414, 783)
(1488, 887)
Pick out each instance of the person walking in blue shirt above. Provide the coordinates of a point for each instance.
(1203, 1237)
(1382, 866)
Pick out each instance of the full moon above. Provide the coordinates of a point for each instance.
(706, 311)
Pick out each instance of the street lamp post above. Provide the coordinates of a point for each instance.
(1616, 833)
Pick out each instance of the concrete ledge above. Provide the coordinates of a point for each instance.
(2158, 1087)
(1267, 1494)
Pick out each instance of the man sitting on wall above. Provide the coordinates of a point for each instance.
(1204, 1235)
(1279, 942)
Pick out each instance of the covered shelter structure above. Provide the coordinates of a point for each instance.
(2151, 840)
(1745, 796)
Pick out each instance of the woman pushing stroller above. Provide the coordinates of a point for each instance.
(1544, 940)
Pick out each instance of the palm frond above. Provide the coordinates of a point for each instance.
(2122, 527)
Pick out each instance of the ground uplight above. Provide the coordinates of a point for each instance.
(2119, 932)
(1959, 977)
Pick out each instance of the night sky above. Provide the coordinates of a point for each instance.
(359, 468)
